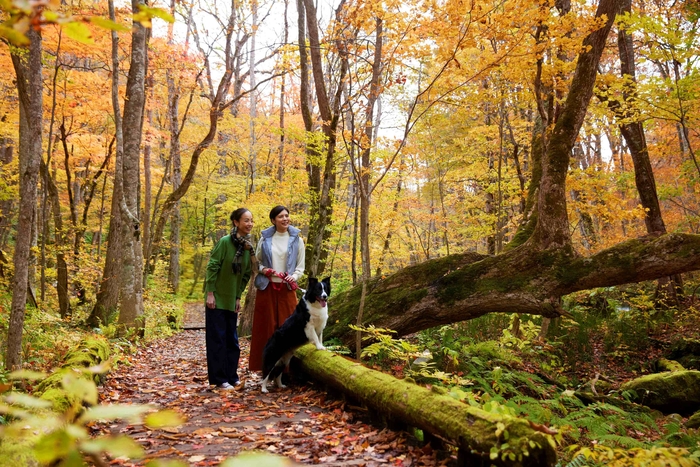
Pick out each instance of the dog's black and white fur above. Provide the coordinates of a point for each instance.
(304, 325)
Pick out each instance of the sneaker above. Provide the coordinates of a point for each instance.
(225, 386)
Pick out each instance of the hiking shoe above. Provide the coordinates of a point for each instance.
(225, 386)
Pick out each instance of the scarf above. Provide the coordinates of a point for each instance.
(241, 244)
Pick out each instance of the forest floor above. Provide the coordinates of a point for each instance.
(302, 422)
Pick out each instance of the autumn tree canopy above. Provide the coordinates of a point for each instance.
(458, 158)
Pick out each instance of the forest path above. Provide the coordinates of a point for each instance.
(301, 422)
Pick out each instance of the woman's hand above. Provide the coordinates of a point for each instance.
(211, 301)
(238, 305)
(289, 278)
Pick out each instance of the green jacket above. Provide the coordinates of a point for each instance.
(227, 287)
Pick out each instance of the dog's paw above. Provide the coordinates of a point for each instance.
(320, 347)
(282, 386)
(264, 389)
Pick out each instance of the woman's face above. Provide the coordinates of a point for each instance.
(244, 224)
(281, 222)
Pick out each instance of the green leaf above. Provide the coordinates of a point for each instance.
(25, 400)
(113, 412)
(27, 374)
(77, 432)
(100, 369)
(156, 13)
(108, 24)
(115, 446)
(163, 419)
(166, 463)
(54, 445)
(78, 31)
(257, 459)
(82, 389)
(73, 459)
(15, 412)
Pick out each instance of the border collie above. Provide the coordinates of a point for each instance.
(304, 325)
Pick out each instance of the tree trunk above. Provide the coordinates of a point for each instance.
(176, 179)
(148, 183)
(321, 188)
(280, 165)
(60, 242)
(471, 429)
(28, 69)
(245, 319)
(552, 230)
(633, 132)
(462, 287)
(362, 175)
(108, 291)
(252, 149)
(131, 291)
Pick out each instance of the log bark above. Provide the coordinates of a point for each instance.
(461, 287)
(471, 429)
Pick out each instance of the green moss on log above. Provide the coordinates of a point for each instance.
(669, 392)
(395, 293)
(664, 364)
(468, 427)
(694, 421)
(91, 351)
(60, 400)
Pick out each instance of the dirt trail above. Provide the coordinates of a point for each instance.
(300, 422)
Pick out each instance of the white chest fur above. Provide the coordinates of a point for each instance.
(316, 324)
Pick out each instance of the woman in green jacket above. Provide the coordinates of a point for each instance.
(228, 272)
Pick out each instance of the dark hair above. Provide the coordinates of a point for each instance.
(238, 213)
(274, 212)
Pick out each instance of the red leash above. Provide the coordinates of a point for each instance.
(283, 275)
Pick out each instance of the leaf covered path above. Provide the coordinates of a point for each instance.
(300, 422)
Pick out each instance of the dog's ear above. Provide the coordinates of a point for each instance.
(312, 281)
(327, 284)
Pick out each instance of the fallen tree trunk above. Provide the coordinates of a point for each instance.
(476, 432)
(524, 280)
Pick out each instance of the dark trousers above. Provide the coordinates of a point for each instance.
(223, 351)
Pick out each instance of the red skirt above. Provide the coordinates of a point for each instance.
(272, 308)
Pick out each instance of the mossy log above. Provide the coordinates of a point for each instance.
(475, 431)
(664, 364)
(91, 351)
(669, 392)
(523, 280)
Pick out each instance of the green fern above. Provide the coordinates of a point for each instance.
(626, 442)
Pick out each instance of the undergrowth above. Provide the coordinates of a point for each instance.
(615, 335)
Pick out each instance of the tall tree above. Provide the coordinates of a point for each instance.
(320, 161)
(633, 132)
(176, 165)
(131, 292)
(108, 292)
(219, 96)
(532, 277)
(28, 68)
(362, 173)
